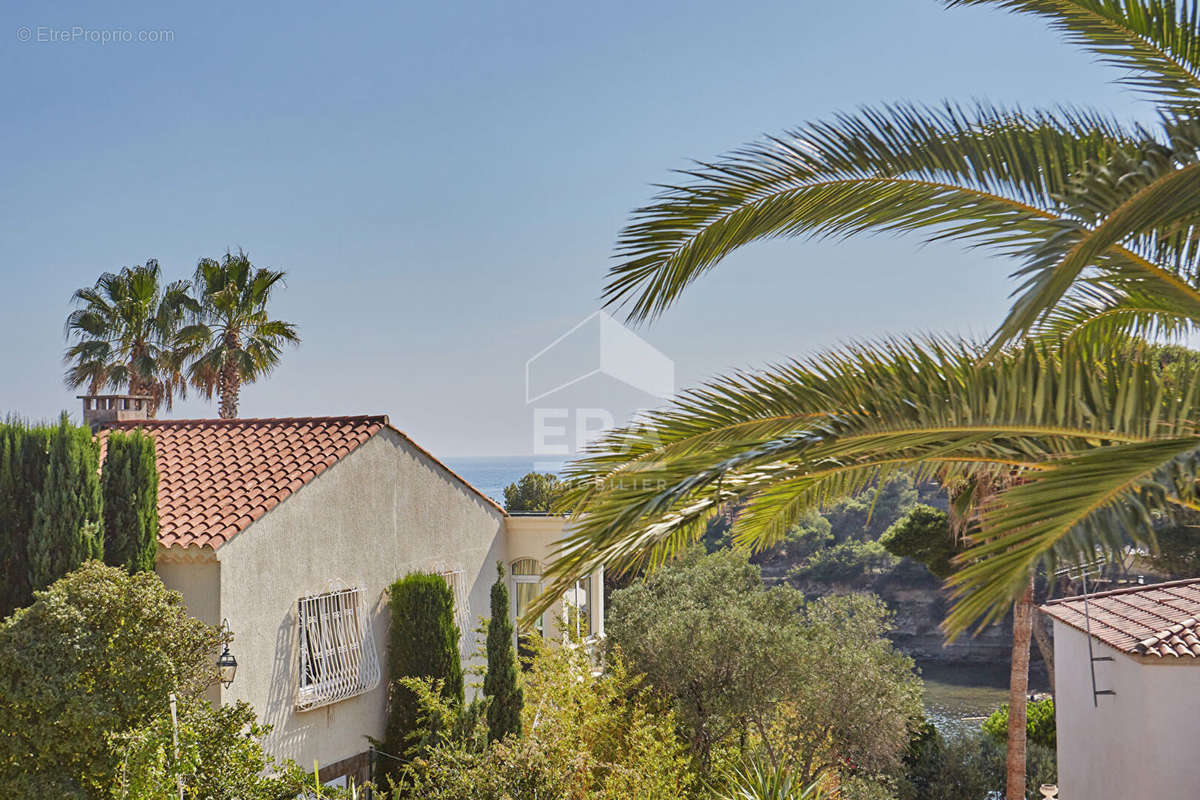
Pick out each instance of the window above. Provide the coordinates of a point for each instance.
(578, 602)
(337, 651)
(527, 585)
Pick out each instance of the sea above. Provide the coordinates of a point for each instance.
(957, 697)
(491, 474)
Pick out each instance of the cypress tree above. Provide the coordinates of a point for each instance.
(506, 697)
(67, 514)
(23, 461)
(130, 487)
(423, 643)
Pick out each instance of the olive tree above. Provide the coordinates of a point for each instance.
(810, 684)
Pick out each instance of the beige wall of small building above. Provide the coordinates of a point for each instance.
(535, 537)
(384, 510)
(1142, 742)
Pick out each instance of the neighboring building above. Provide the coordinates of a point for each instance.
(1138, 736)
(293, 529)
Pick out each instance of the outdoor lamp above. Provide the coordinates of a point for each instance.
(226, 663)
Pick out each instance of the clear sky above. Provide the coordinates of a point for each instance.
(444, 181)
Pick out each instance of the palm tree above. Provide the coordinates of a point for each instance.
(1103, 220)
(1102, 216)
(233, 341)
(796, 437)
(124, 330)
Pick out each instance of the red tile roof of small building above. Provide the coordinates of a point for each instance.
(1159, 621)
(217, 476)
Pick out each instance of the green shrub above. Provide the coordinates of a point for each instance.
(1039, 723)
(923, 534)
(68, 513)
(423, 644)
(967, 767)
(842, 563)
(95, 655)
(501, 682)
(587, 737)
(129, 484)
(220, 756)
(807, 536)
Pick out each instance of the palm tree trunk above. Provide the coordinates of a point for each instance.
(229, 382)
(1018, 688)
(228, 387)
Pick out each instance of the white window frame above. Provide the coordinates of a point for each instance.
(337, 649)
(571, 603)
(532, 577)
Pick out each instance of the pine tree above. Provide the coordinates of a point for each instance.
(130, 489)
(67, 514)
(500, 683)
(423, 644)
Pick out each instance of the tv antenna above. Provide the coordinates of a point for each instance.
(1080, 572)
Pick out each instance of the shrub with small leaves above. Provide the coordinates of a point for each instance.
(96, 654)
(1039, 723)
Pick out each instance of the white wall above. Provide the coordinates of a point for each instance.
(384, 510)
(1144, 742)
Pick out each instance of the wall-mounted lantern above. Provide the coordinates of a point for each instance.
(226, 663)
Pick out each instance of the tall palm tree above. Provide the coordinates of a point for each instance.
(233, 340)
(1103, 219)
(123, 335)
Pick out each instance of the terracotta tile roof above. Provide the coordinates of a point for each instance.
(217, 476)
(1158, 621)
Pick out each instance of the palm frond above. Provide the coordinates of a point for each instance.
(793, 439)
(1157, 42)
(984, 175)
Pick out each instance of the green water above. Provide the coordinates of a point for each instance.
(958, 698)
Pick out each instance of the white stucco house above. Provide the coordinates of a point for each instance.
(292, 530)
(1135, 731)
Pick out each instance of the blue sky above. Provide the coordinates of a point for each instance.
(443, 182)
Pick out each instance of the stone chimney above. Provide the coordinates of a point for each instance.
(101, 409)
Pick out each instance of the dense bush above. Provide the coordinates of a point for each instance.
(67, 513)
(95, 655)
(129, 485)
(842, 563)
(808, 536)
(750, 669)
(1039, 723)
(967, 767)
(923, 534)
(423, 644)
(587, 737)
(220, 756)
